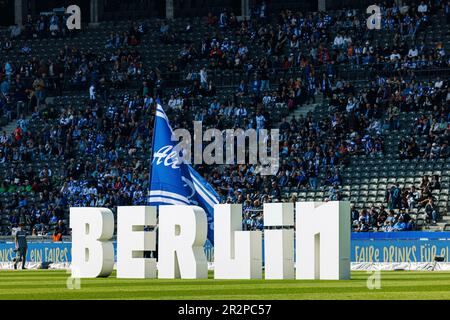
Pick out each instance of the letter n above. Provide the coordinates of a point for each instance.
(323, 240)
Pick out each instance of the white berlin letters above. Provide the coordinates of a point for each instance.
(279, 244)
(182, 234)
(92, 250)
(132, 241)
(320, 241)
(323, 240)
(237, 254)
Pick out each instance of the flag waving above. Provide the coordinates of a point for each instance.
(171, 180)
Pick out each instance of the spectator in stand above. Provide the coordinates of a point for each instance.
(413, 197)
(434, 184)
(422, 8)
(394, 196)
(431, 211)
(60, 230)
(381, 219)
(363, 222)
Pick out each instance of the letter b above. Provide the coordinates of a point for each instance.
(92, 252)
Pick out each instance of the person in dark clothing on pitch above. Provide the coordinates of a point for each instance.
(21, 246)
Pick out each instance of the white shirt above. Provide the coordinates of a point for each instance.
(422, 8)
(179, 102)
(172, 103)
(350, 105)
(266, 100)
(413, 53)
(348, 40)
(338, 41)
(240, 112)
(3, 139)
(395, 56)
(203, 76)
(260, 122)
(92, 92)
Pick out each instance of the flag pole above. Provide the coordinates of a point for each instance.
(152, 148)
(153, 254)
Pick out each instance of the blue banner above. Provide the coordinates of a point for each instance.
(365, 247)
(39, 252)
(411, 246)
(399, 250)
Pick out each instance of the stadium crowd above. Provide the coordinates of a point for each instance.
(396, 216)
(297, 40)
(99, 144)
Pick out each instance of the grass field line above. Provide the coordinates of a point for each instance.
(226, 289)
(378, 295)
(50, 284)
(38, 283)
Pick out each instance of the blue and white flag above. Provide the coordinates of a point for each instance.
(173, 181)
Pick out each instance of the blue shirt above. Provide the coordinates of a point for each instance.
(400, 226)
(21, 238)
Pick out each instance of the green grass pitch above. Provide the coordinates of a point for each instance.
(52, 284)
